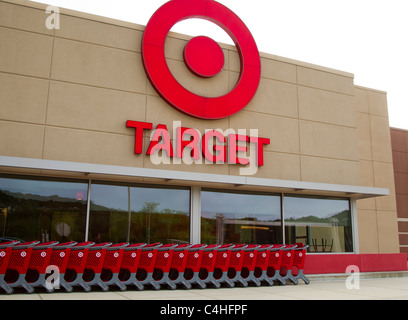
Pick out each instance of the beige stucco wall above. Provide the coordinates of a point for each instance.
(66, 95)
(377, 217)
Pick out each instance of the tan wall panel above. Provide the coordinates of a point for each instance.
(277, 166)
(90, 147)
(23, 18)
(368, 231)
(94, 65)
(324, 140)
(83, 107)
(330, 170)
(325, 106)
(283, 132)
(388, 225)
(367, 173)
(380, 138)
(25, 53)
(21, 140)
(23, 98)
(384, 178)
(361, 99)
(277, 70)
(364, 136)
(276, 98)
(324, 80)
(377, 102)
(100, 33)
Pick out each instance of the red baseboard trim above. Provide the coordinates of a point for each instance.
(338, 263)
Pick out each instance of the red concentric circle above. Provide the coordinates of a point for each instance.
(203, 57)
(169, 88)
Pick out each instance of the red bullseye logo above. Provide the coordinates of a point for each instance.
(202, 56)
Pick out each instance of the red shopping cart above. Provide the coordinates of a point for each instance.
(207, 265)
(261, 264)
(193, 265)
(275, 262)
(38, 265)
(248, 264)
(112, 264)
(94, 264)
(178, 265)
(6, 249)
(129, 265)
(18, 265)
(146, 265)
(299, 262)
(76, 265)
(234, 266)
(222, 264)
(287, 263)
(162, 265)
(59, 260)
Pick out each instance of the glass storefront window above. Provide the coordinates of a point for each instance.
(42, 210)
(322, 223)
(130, 213)
(232, 217)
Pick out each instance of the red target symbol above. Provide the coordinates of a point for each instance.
(203, 57)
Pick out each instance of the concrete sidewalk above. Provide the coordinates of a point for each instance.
(390, 288)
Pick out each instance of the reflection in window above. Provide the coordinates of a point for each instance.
(122, 213)
(43, 210)
(228, 217)
(322, 223)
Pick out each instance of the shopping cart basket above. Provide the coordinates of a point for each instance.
(39, 262)
(234, 266)
(248, 264)
(18, 265)
(76, 265)
(193, 265)
(275, 262)
(299, 262)
(6, 249)
(287, 263)
(207, 265)
(178, 265)
(146, 265)
(129, 265)
(94, 265)
(222, 264)
(112, 264)
(261, 264)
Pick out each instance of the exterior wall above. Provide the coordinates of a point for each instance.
(377, 217)
(66, 95)
(399, 139)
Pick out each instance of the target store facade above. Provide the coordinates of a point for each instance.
(112, 131)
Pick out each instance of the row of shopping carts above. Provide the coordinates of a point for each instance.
(121, 266)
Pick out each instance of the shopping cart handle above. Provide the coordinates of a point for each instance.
(83, 245)
(166, 247)
(26, 245)
(252, 247)
(118, 246)
(65, 245)
(5, 245)
(184, 246)
(99, 246)
(42, 246)
(197, 247)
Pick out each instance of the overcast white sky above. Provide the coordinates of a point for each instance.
(368, 38)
